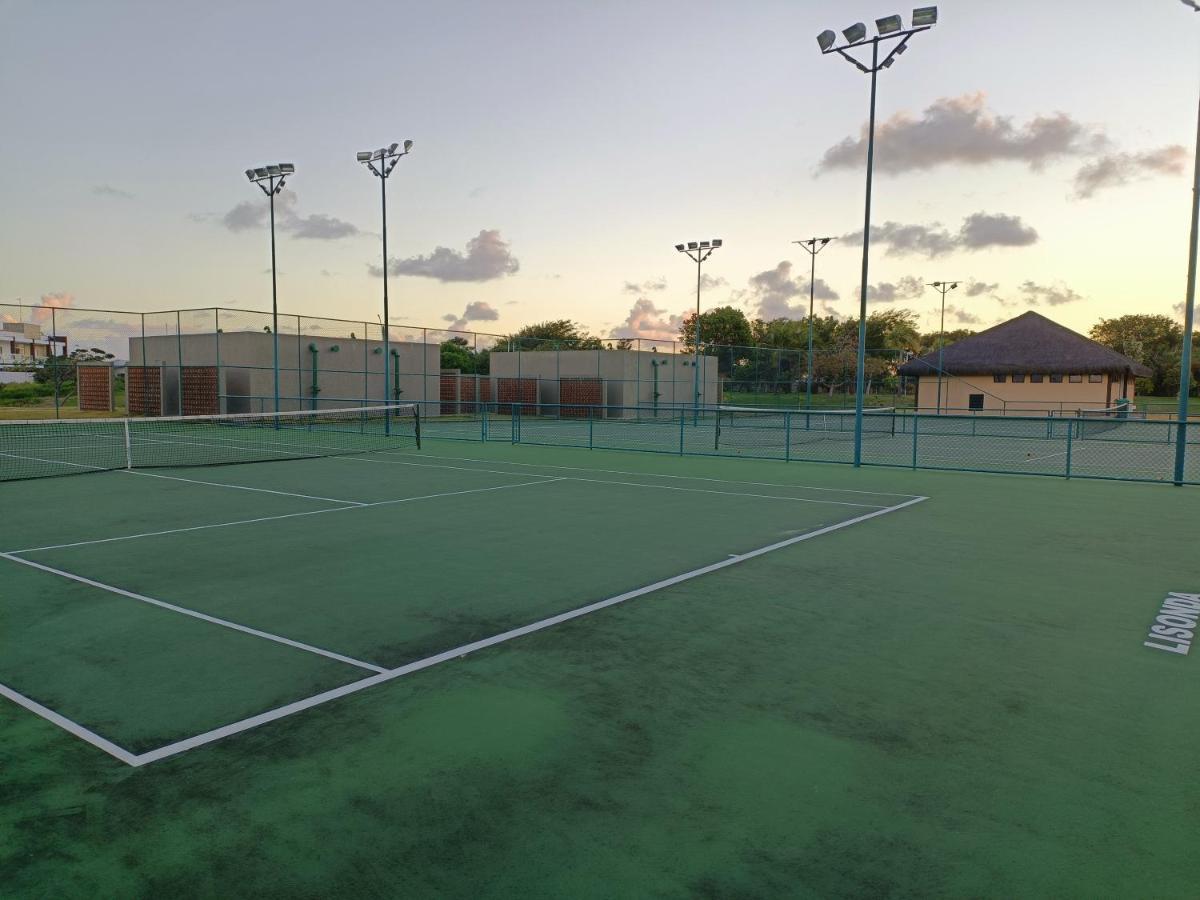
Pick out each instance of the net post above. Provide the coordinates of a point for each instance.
(682, 418)
(417, 423)
(591, 424)
(128, 445)
(787, 437)
(717, 430)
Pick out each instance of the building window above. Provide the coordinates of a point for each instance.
(1056, 379)
(1035, 379)
(999, 379)
(975, 401)
(1095, 379)
(1076, 379)
(1018, 379)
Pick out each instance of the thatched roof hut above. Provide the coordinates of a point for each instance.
(1027, 344)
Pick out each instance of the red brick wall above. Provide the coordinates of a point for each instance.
(200, 391)
(143, 390)
(95, 387)
(517, 390)
(586, 391)
(463, 388)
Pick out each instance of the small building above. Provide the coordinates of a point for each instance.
(611, 378)
(25, 342)
(233, 372)
(1025, 365)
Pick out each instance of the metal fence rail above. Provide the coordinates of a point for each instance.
(1126, 449)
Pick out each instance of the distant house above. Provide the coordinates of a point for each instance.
(1025, 364)
(24, 342)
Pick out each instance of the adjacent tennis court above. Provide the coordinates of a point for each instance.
(635, 673)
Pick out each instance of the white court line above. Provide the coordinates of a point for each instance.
(204, 617)
(664, 487)
(275, 519)
(225, 731)
(60, 462)
(84, 734)
(242, 487)
(803, 487)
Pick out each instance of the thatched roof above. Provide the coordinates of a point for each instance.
(1028, 344)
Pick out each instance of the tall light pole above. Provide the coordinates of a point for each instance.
(813, 246)
(381, 162)
(698, 251)
(270, 180)
(1189, 311)
(890, 28)
(944, 287)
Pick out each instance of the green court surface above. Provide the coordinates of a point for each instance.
(496, 670)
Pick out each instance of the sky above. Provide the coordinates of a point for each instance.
(1040, 154)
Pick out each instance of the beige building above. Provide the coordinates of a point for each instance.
(314, 372)
(626, 378)
(24, 342)
(1025, 365)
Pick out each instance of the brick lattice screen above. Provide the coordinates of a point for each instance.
(200, 391)
(517, 390)
(94, 385)
(143, 390)
(586, 391)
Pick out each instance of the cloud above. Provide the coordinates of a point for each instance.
(978, 231)
(645, 320)
(963, 130)
(962, 316)
(772, 292)
(653, 284)
(321, 228)
(476, 311)
(487, 257)
(1117, 169)
(251, 214)
(1050, 295)
(975, 288)
(107, 190)
(57, 300)
(1180, 310)
(907, 288)
(708, 282)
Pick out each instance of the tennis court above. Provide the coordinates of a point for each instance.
(342, 662)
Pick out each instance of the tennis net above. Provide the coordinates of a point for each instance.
(39, 449)
(821, 423)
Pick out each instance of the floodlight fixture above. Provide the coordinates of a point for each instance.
(889, 25)
(704, 245)
(1192, 4)
(693, 245)
(680, 248)
(260, 173)
(826, 39)
(717, 242)
(408, 145)
(250, 174)
(855, 33)
(287, 168)
(273, 170)
(392, 147)
(364, 155)
(924, 16)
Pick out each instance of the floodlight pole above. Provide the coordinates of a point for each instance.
(700, 255)
(270, 180)
(386, 159)
(1189, 315)
(873, 71)
(813, 246)
(944, 287)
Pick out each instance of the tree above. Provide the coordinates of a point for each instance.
(1154, 341)
(720, 328)
(559, 334)
(928, 343)
(457, 354)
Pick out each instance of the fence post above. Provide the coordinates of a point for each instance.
(916, 417)
(787, 438)
(717, 431)
(682, 419)
(1070, 443)
(53, 356)
(591, 425)
(516, 423)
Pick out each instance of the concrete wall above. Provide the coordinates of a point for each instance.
(1010, 397)
(348, 370)
(632, 377)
